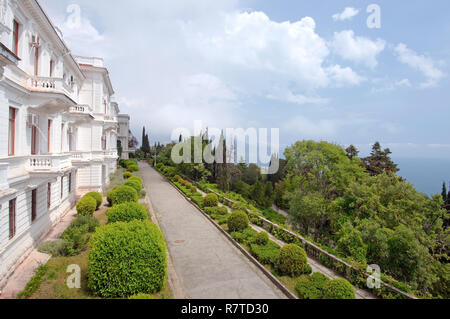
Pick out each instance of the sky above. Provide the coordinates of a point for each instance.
(313, 69)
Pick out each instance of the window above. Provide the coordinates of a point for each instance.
(62, 187)
(33, 204)
(104, 142)
(49, 196)
(36, 60)
(70, 183)
(33, 140)
(12, 218)
(12, 131)
(49, 132)
(15, 46)
(51, 68)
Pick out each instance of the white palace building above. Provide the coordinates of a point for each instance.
(59, 128)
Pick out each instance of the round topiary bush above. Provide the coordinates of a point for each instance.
(137, 179)
(312, 287)
(193, 189)
(127, 259)
(262, 238)
(210, 200)
(98, 198)
(292, 261)
(86, 206)
(238, 221)
(339, 289)
(124, 194)
(135, 184)
(110, 195)
(127, 212)
(127, 175)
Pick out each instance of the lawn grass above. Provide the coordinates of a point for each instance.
(50, 280)
(116, 179)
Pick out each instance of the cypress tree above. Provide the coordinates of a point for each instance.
(444, 192)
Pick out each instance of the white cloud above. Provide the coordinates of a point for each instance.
(357, 49)
(386, 85)
(300, 99)
(347, 14)
(309, 128)
(344, 76)
(421, 63)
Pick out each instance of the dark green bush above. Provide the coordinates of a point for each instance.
(238, 206)
(239, 237)
(127, 259)
(135, 184)
(266, 254)
(123, 194)
(127, 212)
(312, 287)
(262, 238)
(210, 200)
(86, 206)
(238, 221)
(98, 198)
(292, 261)
(250, 235)
(339, 289)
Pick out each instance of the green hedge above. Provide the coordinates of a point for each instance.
(98, 198)
(312, 287)
(127, 259)
(339, 289)
(266, 254)
(135, 184)
(127, 212)
(292, 261)
(127, 175)
(86, 206)
(216, 210)
(122, 194)
(238, 221)
(210, 200)
(262, 238)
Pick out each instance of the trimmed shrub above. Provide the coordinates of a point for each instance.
(127, 259)
(127, 175)
(262, 238)
(86, 206)
(90, 223)
(238, 221)
(198, 199)
(135, 184)
(98, 198)
(238, 206)
(266, 254)
(177, 178)
(137, 179)
(210, 200)
(133, 168)
(339, 289)
(312, 287)
(292, 261)
(127, 212)
(124, 194)
(216, 210)
(193, 189)
(141, 296)
(239, 237)
(250, 235)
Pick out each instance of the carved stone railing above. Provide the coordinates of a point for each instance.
(49, 162)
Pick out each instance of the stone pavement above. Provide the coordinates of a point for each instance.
(207, 264)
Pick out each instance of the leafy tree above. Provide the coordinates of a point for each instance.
(222, 173)
(352, 152)
(351, 243)
(268, 194)
(444, 192)
(379, 161)
(257, 193)
(251, 174)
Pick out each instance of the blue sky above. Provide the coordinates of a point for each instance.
(276, 64)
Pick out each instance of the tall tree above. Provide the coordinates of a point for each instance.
(143, 137)
(379, 161)
(222, 173)
(352, 152)
(444, 192)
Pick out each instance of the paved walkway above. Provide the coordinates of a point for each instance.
(207, 264)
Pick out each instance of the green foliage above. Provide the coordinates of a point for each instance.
(238, 221)
(86, 206)
(312, 287)
(141, 297)
(262, 238)
(210, 200)
(34, 283)
(266, 254)
(216, 210)
(135, 184)
(98, 198)
(127, 175)
(123, 194)
(127, 259)
(292, 261)
(127, 212)
(379, 161)
(350, 243)
(339, 289)
(193, 189)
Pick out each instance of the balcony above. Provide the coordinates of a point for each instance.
(49, 163)
(50, 85)
(110, 154)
